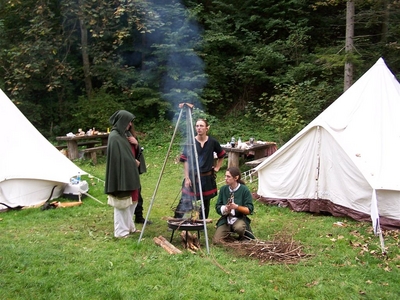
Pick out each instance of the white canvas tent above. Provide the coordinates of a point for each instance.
(30, 166)
(347, 160)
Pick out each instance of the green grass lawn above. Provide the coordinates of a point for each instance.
(70, 253)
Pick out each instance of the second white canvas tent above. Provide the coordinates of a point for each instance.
(30, 166)
(347, 160)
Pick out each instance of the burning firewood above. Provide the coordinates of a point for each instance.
(190, 240)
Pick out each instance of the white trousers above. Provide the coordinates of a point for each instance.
(123, 220)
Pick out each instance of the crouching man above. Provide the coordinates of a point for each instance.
(234, 204)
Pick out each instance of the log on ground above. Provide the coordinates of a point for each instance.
(167, 246)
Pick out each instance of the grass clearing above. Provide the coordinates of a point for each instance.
(70, 253)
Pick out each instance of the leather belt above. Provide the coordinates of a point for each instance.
(206, 173)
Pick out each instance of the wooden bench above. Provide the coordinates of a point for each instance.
(88, 144)
(256, 162)
(93, 151)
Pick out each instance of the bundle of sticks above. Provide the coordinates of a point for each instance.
(281, 251)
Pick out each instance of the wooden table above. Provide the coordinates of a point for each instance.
(259, 149)
(72, 142)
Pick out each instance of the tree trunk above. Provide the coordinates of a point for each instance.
(385, 22)
(85, 55)
(348, 67)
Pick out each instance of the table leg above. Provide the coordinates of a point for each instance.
(104, 142)
(233, 159)
(72, 149)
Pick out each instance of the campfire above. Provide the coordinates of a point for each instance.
(190, 241)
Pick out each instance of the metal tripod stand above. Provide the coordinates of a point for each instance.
(190, 143)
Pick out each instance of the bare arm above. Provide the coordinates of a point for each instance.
(220, 161)
(186, 171)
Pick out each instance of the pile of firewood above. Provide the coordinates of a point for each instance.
(192, 243)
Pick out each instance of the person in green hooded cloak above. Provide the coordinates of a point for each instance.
(122, 181)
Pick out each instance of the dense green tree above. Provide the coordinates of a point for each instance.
(248, 46)
(67, 63)
(31, 57)
(64, 48)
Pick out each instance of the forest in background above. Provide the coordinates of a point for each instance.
(69, 64)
